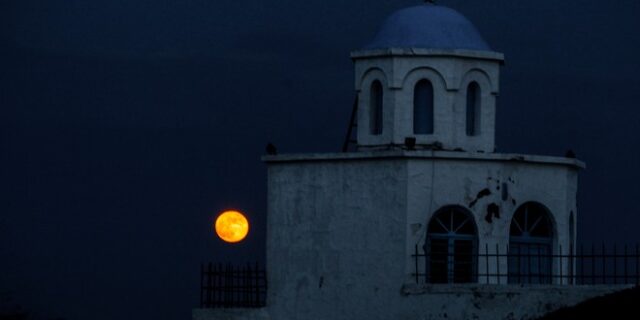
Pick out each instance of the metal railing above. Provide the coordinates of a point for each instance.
(587, 266)
(228, 286)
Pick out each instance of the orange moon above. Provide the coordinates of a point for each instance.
(232, 226)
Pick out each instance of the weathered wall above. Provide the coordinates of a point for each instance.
(336, 233)
(450, 73)
(508, 302)
(462, 302)
(474, 185)
(341, 228)
(230, 314)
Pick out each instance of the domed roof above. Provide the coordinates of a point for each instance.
(428, 26)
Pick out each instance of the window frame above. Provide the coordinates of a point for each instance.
(453, 239)
(473, 109)
(376, 108)
(532, 266)
(424, 112)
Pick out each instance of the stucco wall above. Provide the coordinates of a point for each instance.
(336, 233)
(491, 302)
(341, 229)
(450, 74)
(433, 184)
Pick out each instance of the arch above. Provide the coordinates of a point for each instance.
(474, 105)
(480, 76)
(375, 107)
(370, 75)
(530, 244)
(423, 100)
(436, 78)
(451, 245)
(411, 86)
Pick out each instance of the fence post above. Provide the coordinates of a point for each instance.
(626, 280)
(615, 264)
(498, 262)
(637, 265)
(415, 257)
(202, 285)
(581, 264)
(258, 303)
(571, 264)
(604, 262)
(561, 265)
(528, 264)
(486, 259)
(210, 288)
(427, 261)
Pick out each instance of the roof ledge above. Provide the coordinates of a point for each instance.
(421, 52)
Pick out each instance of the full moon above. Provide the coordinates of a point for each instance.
(232, 226)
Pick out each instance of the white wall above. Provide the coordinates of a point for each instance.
(450, 74)
(342, 227)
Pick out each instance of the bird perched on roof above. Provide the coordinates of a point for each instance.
(570, 154)
(271, 149)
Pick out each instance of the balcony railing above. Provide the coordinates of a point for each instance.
(228, 286)
(530, 265)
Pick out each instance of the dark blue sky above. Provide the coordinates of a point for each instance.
(125, 126)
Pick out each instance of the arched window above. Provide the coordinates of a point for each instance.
(423, 107)
(473, 109)
(530, 241)
(375, 108)
(451, 246)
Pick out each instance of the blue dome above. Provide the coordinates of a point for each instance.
(428, 26)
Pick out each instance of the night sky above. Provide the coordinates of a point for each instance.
(127, 125)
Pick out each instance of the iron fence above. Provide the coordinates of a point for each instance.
(529, 265)
(228, 286)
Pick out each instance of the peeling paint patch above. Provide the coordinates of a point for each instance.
(493, 211)
(505, 191)
(483, 193)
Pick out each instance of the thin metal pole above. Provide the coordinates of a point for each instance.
(561, 266)
(581, 264)
(540, 273)
(498, 262)
(209, 289)
(593, 264)
(217, 292)
(249, 285)
(416, 262)
(202, 285)
(354, 112)
(571, 265)
(427, 261)
(604, 260)
(615, 264)
(626, 280)
(486, 259)
(637, 264)
(529, 264)
(257, 280)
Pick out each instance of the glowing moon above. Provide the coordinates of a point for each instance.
(232, 226)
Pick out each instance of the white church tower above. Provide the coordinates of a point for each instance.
(428, 74)
(424, 220)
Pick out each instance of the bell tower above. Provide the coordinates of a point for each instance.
(428, 75)
(425, 220)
